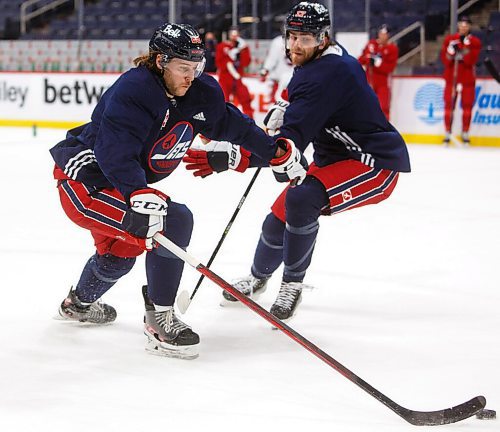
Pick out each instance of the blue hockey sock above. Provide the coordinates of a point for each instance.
(303, 208)
(269, 253)
(163, 269)
(99, 274)
(299, 247)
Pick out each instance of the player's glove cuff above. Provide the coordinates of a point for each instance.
(290, 167)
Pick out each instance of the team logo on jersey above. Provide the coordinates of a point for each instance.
(347, 195)
(168, 151)
(429, 101)
(165, 120)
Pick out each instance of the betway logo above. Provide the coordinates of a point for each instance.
(79, 93)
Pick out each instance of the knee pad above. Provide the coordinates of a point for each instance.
(110, 268)
(178, 228)
(304, 203)
(272, 231)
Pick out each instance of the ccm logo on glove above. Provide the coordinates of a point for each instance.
(146, 216)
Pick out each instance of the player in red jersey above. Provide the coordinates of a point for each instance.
(379, 59)
(459, 54)
(232, 57)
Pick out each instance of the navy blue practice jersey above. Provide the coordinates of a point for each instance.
(332, 106)
(137, 135)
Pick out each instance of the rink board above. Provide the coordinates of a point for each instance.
(64, 100)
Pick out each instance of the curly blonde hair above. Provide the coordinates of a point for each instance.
(148, 60)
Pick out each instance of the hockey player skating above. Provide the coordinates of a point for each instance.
(140, 130)
(380, 58)
(459, 54)
(357, 153)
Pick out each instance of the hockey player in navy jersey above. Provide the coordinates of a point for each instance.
(139, 132)
(357, 153)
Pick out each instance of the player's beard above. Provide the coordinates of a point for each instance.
(300, 58)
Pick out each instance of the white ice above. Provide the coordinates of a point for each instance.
(407, 297)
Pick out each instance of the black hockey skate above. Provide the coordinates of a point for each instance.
(72, 309)
(166, 334)
(250, 286)
(289, 297)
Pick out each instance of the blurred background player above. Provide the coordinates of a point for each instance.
(140, 130)
(379, 58)
(459, 54)
(357, 153)
(210, 49)
(277, 68)
(232, 57)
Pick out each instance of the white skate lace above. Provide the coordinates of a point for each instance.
(247, 284)
(96, 311)
(289, 292)
(170, 323)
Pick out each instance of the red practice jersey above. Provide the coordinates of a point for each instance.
(469, 48)
(385, 58)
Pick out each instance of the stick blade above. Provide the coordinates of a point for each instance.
(446, 416)
(492, 69)
(183, 301)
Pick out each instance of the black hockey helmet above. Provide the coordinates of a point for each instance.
(178, 41)
(308, 17)
(384, 28)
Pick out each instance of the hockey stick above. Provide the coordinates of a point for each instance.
(418, 418)
(454, 97)
(184, 299)
(492, 69)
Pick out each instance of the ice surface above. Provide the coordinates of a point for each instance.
(407, 296)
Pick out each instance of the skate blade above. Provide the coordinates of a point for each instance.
(62, 318)
(155, 347)
(225, 302)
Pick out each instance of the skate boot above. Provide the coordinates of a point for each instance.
(447, 138)
(250, 286)
(465, 138)
(72, 309)
(289, 297)
(167, 335)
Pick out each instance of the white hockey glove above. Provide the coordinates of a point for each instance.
(233, 53)
(292, 166)
(146, 215)
(216, 156)
(232, 70)
(452, 47)
(375, 60)
(274, 118)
